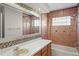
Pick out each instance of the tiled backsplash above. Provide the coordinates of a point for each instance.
(17, 41)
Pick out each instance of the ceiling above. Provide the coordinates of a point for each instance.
(47, 7)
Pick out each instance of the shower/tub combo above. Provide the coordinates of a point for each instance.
(60, 50)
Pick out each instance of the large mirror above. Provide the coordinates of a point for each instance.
(15, 22)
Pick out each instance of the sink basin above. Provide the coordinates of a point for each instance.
(21, 52)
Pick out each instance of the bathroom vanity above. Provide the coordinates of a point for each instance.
(35, 47)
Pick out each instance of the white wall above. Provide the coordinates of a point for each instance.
(13, 22)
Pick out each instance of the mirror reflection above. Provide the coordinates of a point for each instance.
(15, 22)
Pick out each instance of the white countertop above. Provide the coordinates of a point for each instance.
(33, 46)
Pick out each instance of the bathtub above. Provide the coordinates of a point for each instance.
(60, 50)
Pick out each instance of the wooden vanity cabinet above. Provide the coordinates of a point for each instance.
(46, 51)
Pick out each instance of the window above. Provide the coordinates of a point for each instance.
(61, 21)
(37, 22)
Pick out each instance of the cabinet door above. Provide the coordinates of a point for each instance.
(38, 53)
(45, 51)
(49, 50)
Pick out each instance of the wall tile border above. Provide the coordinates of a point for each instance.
(18, 41)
